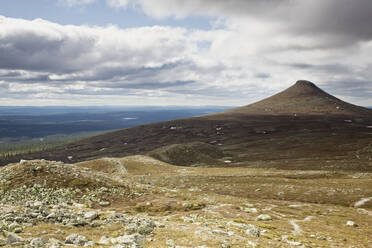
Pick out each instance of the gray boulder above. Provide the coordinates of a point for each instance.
(39, 242)
(75, 239)
(14, 239)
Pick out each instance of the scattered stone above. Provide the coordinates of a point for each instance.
(15, 227)
(89, 243)
(351, 223)
(264, 217)
(76, 239)
(38, 242)
(2, 242)
(220, 232)
(79, 205)
(253, 231)
(170, 243)
(135, 240)
(252, 244)
(249, 210)
(104, 240)
(54, 243)
(291, 242)
(90, 216)
(143, 227)
(225, 244)
(14, 239)
(104, 203)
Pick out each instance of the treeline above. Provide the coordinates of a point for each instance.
(24, 146)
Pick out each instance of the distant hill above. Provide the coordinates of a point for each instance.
(302, 127)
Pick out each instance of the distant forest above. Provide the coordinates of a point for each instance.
(29, 129)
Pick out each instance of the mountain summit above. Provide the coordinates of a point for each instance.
(302, 98)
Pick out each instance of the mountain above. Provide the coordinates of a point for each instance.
(301, 127)
(303, 98)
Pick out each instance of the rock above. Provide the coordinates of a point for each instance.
(249, 210)
(225, 244)
(220, 232)
(90, 216)
(143, 227)
(351, 223)
(135, 240)
(118, 246)
(54, 243)
(38, 242)
(104, 240)
(251, 244)
(78, 205)
(2, 242)
(253, 231)
(12, 227)
(76, 239)
(170, 243)
(89, 243)
(264, 217)
(104, 203)
(14, 238)
(37, 204)
(291, 242)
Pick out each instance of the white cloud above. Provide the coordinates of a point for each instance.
(247, 59)
(118, 3)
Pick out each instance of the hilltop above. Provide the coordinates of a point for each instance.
(289, 130)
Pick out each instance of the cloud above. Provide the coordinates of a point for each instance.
(118, 3)
(244, 60)
(76, 2)
(340, 21)
(351, 87)
(40, 45)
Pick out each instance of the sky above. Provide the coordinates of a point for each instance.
(177, 52)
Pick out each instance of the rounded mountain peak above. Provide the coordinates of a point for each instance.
(304, 98)
(301, 88)
(304, 83)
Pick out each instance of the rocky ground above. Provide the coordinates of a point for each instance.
(141, 202)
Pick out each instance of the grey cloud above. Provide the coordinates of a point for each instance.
(344, 21)
(130, 89)
(350, 87)
(262, 75)
(29, 50)
(144, 85)
(118, 73)
(329, 68)
(4, 86)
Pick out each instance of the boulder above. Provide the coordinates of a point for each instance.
(14, 238)
(264, 217)
(90, 216)
(75, 239)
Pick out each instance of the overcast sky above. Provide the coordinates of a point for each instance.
(177, 52)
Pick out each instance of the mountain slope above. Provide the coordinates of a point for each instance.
(304, 127)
